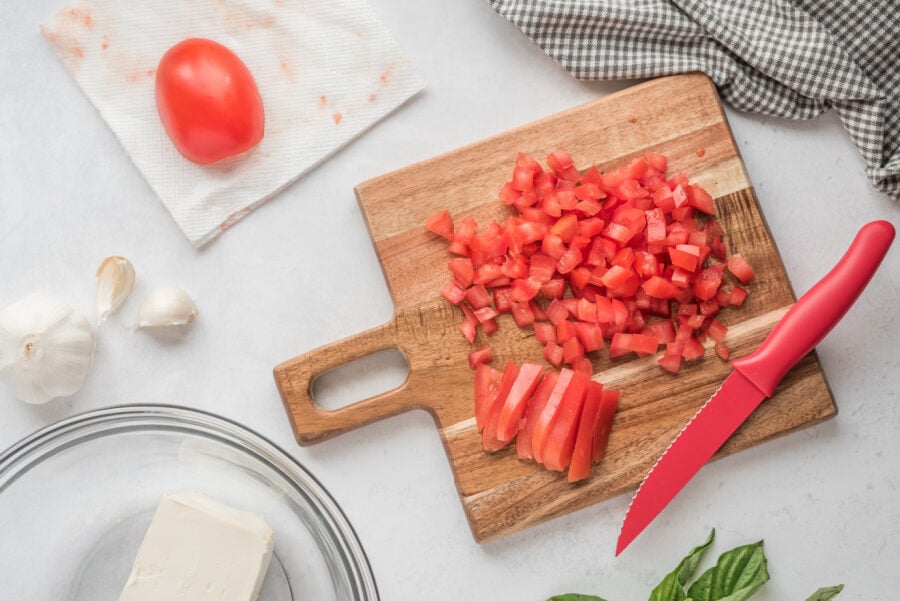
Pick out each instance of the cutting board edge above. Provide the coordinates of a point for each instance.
(705, 80)
(490, 535)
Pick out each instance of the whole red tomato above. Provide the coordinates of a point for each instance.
(208, 101)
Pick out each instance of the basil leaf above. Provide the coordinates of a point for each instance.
(737, 575)
(827, 593)
(575, 597)
(672, 586)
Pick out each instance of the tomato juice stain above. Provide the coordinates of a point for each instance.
(82, 15)
(337, 118)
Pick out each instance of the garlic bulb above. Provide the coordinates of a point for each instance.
(45, 348)
(167, 306)
(115, 280)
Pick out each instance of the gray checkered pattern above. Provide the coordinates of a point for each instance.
(790, 58)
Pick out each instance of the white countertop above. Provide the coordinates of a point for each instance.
(301, 272)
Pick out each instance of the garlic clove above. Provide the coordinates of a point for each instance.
(167, 306)
(115, 280)
(46, 348)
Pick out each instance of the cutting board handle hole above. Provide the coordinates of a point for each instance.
(360, 379)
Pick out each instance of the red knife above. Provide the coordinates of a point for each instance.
(755, 376)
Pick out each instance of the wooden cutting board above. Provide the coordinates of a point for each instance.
(676, 116)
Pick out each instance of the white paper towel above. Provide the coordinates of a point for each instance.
(326, 71)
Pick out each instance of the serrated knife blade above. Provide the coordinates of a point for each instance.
(755, 376)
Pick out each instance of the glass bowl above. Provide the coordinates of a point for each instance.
(76, 499)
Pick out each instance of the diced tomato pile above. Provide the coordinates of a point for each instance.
(560, 419)
(630, 258)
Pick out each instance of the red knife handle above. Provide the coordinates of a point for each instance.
(819, 310)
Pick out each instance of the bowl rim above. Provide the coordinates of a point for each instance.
(20, 457)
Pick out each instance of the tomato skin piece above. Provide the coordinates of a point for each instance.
(523, 387)
(556, 453)
(582, 455)
(208, 101)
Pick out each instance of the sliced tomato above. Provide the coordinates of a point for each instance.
(706, 286)
(717, 330)
(600, 257)
(590, 336)
(656, 161)
(553, 353)
(544, 332)
(489, 439)
(686, 256)
(603, 425)
(453, 293)
(693, 349)
(582, 455)
(514, 406)
(523, 290)
(480, 356)
(641, 344)
(554, 288)
(738, 295)
(522, 314)
(503, 299)
(532, 410)
(572, 349)
(671, 358)
(701, 200)
(722, 351)
(565, 331)
(478, 297)
(441, 224)
(544, 421)
(487, 382)
(659, 287)
(663, 330)
(556, 453)
(740, 268)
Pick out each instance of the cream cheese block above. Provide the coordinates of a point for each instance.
(197, 549)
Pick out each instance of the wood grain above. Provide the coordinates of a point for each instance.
(675, 116)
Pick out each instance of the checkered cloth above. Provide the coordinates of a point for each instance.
(790, 58)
